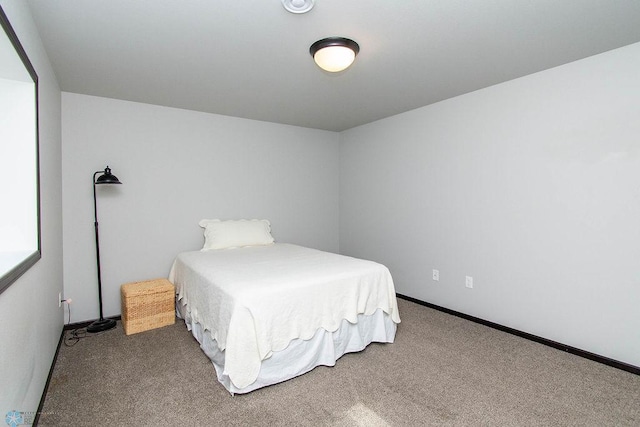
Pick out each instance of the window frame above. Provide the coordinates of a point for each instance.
(21, 267)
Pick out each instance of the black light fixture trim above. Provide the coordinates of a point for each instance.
(107, 177)
(334, 41)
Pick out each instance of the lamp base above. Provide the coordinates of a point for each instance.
(101, 325)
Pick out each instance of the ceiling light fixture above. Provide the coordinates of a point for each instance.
(334, 54)
(298, 6)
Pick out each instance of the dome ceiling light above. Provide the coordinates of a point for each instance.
(298, 6)
(334, 54)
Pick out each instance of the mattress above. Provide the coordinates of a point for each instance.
(254, 301)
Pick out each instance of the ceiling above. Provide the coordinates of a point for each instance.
(251, 58)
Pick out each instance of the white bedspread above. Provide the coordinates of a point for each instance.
(255, 300)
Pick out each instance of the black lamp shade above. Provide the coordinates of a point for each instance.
(107, 177)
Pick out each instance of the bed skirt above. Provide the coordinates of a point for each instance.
(300, 356)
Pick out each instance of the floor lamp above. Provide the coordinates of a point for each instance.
(101, 324)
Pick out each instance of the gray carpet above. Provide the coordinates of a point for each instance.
(442, 370)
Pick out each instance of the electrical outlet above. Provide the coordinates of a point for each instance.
(436, 275)
(59, 299)
(468, 282)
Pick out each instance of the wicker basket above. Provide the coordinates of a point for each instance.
(147, 305)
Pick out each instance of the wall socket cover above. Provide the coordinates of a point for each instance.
(436, 275)
(468, 282)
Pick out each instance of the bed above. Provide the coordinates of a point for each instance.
(267, 312)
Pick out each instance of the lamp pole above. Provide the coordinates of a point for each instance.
(101, 324)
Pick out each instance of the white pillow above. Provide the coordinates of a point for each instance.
(231, 234)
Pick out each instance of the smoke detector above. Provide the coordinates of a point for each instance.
(298, 6)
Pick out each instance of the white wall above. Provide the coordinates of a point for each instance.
(532, 187)
(177, 167)
(30, 320)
